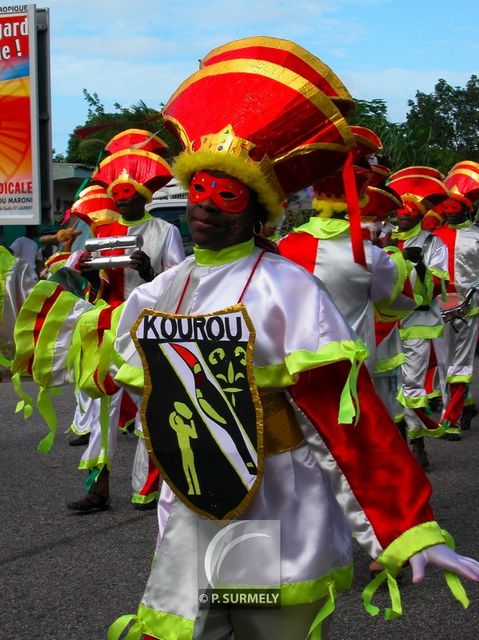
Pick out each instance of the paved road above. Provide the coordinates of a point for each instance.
(67, 577)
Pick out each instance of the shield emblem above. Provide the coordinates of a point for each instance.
(201, 411)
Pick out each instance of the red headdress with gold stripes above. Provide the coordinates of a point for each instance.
(265, 111)
(134, 159)
(95, 207)
(463, 182)
(420, 188)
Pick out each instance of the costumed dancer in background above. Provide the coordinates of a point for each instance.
(278, 444)
(357, 274)
(420, 188)
(389, 353)
(462, 240)
(131, 173)
(17, 279)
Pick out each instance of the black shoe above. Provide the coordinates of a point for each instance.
(145, 506)
(80, 441)
(452, 437)
(90, 503)
(466, 418)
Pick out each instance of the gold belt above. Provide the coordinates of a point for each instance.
(281, 432)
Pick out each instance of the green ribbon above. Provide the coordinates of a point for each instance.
(453, 581)
(121, 623)
(4, 361)
(104, 421)
(92, 478)
(390, 613)
(47, 411)
(349, 397)
(26, 402)
(326, 610)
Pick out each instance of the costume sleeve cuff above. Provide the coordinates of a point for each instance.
(410, 542)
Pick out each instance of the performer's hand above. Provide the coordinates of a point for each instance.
(444, 558)
(141, 262)
(92, 275)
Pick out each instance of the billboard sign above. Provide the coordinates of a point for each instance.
(20, 191)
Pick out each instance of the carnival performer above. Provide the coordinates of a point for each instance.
(249, 369)
(131, 173)
(462, 240)
(17, 279)
(358, 275)
(420, 188)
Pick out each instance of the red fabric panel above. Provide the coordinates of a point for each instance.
(455, 406)
(383, 475)
(448, 236)
(127, 410)
(301, 248)
(42, 315)
(152, 480)
(383, 329)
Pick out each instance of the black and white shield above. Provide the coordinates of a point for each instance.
(201, 411)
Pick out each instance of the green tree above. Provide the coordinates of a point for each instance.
(87, 142)
(444, 125)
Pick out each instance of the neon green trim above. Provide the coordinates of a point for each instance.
(134, 223)
(421, 331)
(405, 235)
(439, 273)
(411, 402)
(286, 374)
(294, 593)
(209, 258)
(324, 228)
(167, 625)
(131, 376)
(424, 432)
(155, 623)
(472, 311)
(434, 394)
(467, 378)
(136, 498)
(410, 542)
(102, 460)
(462, 225)
(469, 402)
(389, 364)
(402, 273)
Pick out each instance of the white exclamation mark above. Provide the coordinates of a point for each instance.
(19, 50)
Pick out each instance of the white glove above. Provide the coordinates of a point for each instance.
(444, 558)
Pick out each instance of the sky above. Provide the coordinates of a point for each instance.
(127, 51)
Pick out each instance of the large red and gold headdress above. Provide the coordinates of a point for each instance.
(420, 188)
(264, 111)
(330, 191)
(462, 182)
(95, 207)
(134, 160)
